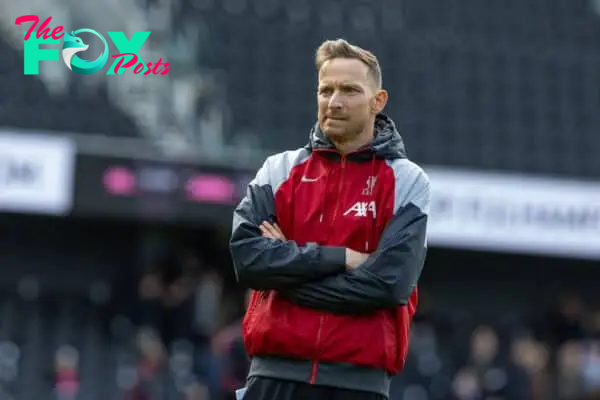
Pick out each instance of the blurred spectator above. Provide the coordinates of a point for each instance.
(484, 348)
(152, 354)
(207, 305)
(590, 369)
(228, 346)
(569, 383)
(67, 375)
(151, 363)
(197, 391)
(566, 322)
(466, 385)
(207, 318)
(529, 378)
(166, 294)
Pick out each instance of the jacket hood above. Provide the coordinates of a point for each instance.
(387, 142)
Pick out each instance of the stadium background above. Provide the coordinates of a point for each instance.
(113, 187)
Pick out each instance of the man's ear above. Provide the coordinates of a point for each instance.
(379, 101)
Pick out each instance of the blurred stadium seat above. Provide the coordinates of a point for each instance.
(466, 78)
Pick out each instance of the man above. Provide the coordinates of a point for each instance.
(331, 238)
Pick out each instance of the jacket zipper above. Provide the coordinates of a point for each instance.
(260, 297)
(337, 203)
(315, 365)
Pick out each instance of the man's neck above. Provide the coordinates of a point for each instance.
(356, 143)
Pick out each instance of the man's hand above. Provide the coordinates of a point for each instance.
(354, 259)
(272, 231)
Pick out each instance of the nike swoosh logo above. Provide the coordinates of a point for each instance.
(305, 179)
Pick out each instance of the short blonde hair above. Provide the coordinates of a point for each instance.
(340, 48)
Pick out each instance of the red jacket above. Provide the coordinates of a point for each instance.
(305, 305)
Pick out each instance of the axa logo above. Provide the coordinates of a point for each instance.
(363, 209)
(128, 56)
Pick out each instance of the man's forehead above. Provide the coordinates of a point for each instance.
(342, 82)
(343, 71)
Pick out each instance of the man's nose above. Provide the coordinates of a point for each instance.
(335, 101)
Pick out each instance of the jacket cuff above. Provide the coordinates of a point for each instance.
(335, 257)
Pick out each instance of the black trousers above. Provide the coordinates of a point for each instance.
(276, 389)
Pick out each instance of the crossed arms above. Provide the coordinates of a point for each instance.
(327, 277)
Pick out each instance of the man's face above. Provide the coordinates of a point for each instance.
(347, 99)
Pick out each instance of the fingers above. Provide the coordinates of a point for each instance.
(271, 231)
(265, 231)
(278, 230)
(355, 259)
